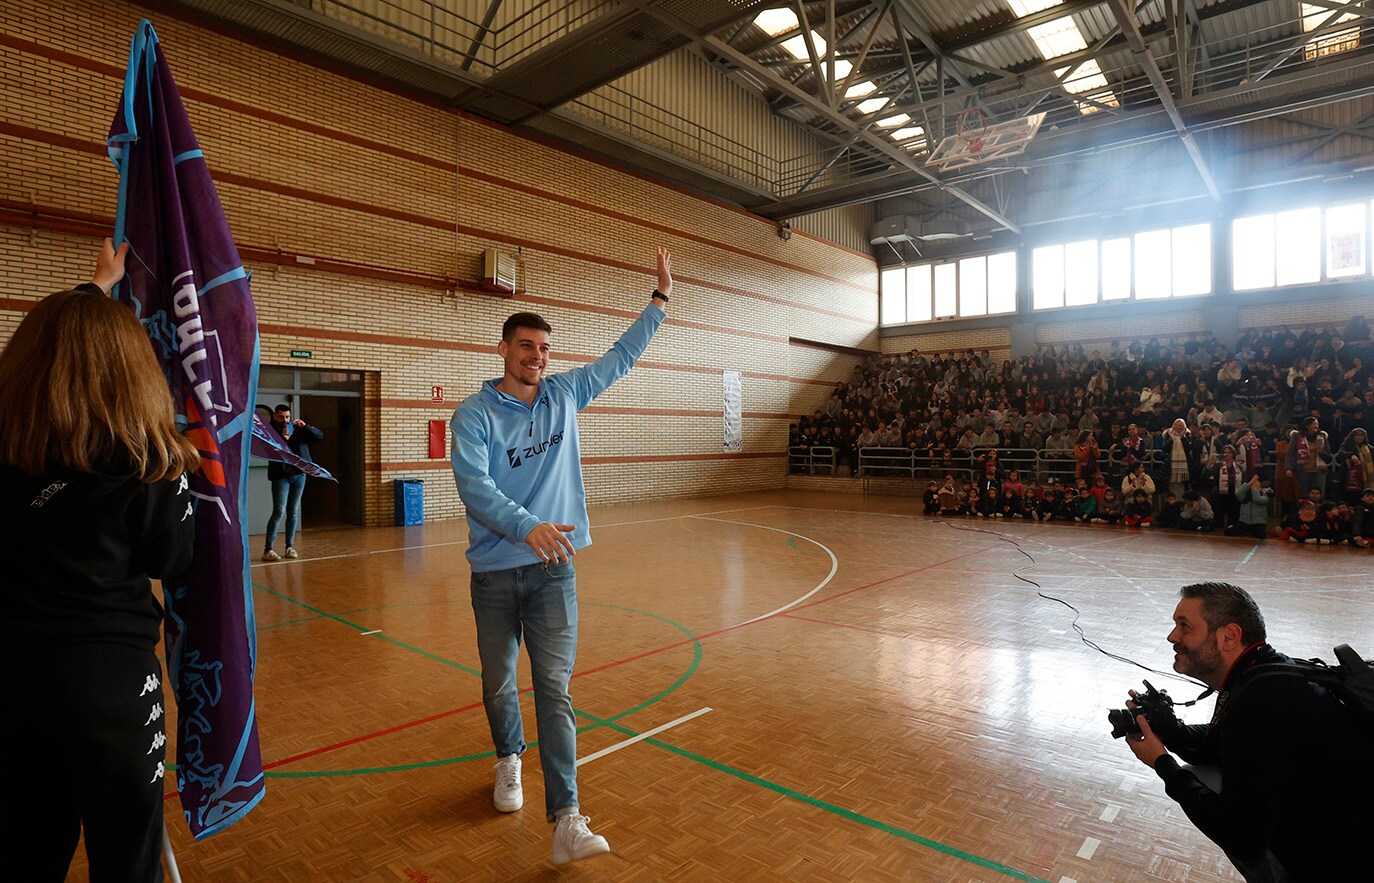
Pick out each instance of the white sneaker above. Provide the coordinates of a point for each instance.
(574, 841)
(508, 795)
(271, 555)
(292, 553)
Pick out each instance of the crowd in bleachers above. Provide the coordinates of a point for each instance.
(1185, 433)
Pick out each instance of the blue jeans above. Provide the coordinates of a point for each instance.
(286, 498)
(539, 602)
(1309, 480)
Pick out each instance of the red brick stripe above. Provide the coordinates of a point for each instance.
(248, 110)
(444, 465)
(426, 404)
(45, 137)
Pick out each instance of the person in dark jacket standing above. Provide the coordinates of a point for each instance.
(94, 502)
(1286, 748)
(288, 482)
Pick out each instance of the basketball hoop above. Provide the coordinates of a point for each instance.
(970, 127)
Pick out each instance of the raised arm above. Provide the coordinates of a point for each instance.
(592, 380)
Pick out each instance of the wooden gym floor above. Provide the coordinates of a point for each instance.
(910, 711)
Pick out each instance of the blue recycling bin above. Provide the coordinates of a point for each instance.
(410, 501)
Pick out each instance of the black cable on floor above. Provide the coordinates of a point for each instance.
(1077, 614)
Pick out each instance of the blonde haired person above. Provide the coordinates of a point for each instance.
(93, 503)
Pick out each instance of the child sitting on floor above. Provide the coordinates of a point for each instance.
(931, 500)
(1301, 526)
(1169, 512)
(1196, 513)
(948, 497)
(1138, 512)
(1010, 504)
(1085, 507)
(1363, 533)
(1109, 510)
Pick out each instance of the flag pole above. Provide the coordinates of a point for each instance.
(169, 859)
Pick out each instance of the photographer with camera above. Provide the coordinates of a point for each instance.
(1295, 764)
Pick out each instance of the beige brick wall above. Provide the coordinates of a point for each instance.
(992, 339)
(393, 197)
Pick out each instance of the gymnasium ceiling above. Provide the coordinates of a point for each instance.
(875, 84)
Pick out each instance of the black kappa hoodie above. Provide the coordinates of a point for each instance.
(77, 550)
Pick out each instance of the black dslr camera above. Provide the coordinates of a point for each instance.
(1156, 706)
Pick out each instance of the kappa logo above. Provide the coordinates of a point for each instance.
(150, 683)
(517, 456)
(47, 494)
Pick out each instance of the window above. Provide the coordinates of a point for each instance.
(1252, 253)
(1192, 254)
(918, 293)
(969, 287)
(1345, 238)
(1002, 282)
(1153, 276)
(893, 286)
(1116, 269)
(946, 290)
(1047, 277)
(1298, 246)
(973, 286)
(1080, 273)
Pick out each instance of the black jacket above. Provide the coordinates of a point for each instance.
(1297, 772)
(299, 443)
(78, 550)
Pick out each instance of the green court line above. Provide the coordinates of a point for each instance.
(611, 723)
(831, 808)
(382, 636)
(600, 722)
(277, 625)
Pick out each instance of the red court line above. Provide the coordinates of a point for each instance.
(415, 723)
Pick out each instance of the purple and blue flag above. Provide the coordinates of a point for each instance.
(188, 287)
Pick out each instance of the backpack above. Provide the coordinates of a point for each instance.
(1350, 680)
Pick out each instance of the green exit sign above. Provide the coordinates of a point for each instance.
(302, 354)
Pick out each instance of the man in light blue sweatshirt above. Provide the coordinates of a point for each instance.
(518, 466)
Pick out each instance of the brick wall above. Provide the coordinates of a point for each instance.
(392, 198)
(992, 339)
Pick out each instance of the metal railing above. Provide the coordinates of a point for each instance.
(819, 460)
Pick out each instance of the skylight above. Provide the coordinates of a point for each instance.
(1060, 37)
(872, 105)
(897, 120)
(908, 132)
(859, 90)
(796, 46)
(776, 21)
(1339, 40)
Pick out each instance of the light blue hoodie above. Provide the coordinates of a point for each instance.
(518, 465)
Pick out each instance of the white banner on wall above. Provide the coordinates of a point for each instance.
(734, 416)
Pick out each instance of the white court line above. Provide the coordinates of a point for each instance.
(373, 632)
(642, 736)
(834, 564)
(1089, 847)
(463, 542)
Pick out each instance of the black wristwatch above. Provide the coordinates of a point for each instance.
(658, 293)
